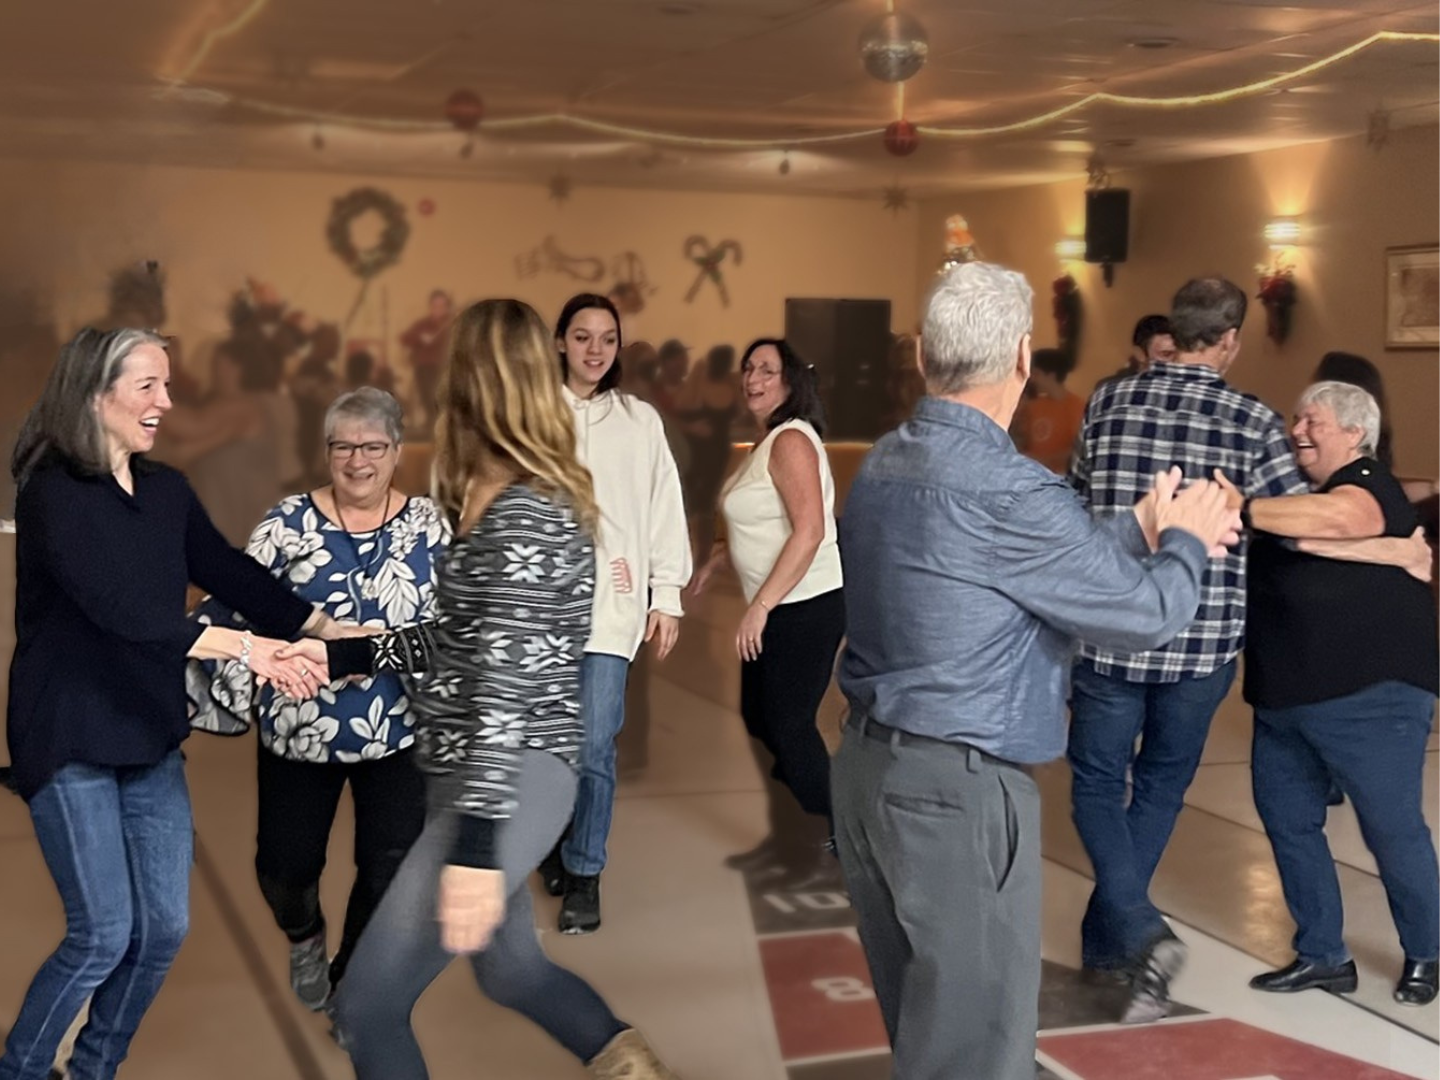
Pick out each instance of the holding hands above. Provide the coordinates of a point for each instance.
(294, 675)
(1204, 509)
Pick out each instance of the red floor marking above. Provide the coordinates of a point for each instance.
(1202, 1050)
(821, 996)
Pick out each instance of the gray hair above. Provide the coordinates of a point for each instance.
(975, 317)
(65, 421)
(1354, 408)
(371, 405)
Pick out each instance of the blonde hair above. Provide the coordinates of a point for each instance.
(502, 413)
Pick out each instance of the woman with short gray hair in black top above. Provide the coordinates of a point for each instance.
(1341, 667)
(107, 543)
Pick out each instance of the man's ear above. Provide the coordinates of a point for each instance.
(1022, 359)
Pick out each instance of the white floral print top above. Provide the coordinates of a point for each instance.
(382, 578)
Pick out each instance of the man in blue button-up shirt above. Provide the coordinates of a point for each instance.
(969, 572)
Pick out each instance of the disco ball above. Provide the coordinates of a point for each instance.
(894, 47)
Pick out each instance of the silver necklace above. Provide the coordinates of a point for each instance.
(368, 588)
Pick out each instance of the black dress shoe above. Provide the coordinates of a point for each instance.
(1339, 979)
(1419, 982)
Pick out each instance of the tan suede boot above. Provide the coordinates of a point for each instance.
(628, 1057)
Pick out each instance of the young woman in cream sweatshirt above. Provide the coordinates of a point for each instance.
(642, 563)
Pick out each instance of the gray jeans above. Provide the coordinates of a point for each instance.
(399, 954)
(940, 845)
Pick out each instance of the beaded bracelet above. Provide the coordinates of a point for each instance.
(247, 642)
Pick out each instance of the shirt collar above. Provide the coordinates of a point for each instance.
(1198, 372)
(966, 417)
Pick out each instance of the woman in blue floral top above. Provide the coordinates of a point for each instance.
(365, 554)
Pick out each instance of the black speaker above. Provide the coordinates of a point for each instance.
(1107, 225)
(848, 341)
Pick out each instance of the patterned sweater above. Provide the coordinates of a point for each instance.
(514, 598)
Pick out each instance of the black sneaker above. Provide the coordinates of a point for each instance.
(1150, 990)
(580, 911)
(552, 872)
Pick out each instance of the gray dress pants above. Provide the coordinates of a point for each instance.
(940, 845)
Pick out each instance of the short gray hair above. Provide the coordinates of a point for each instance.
(367, 404)
(64, 420)
(1354, 408)
(975, 317)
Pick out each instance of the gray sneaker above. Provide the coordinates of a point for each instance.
(310, 972)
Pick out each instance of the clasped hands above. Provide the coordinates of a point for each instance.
(299, 669)
(1205, 509)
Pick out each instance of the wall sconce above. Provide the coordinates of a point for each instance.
(1071, 249)
(1278, 293)
(1282, 233)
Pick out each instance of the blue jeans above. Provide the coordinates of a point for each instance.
(1373, 744)
(602, 706)
(1172, 722)
(119, 844)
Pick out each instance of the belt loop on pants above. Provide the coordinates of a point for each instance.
(974, 758)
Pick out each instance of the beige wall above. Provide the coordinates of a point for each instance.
(69, 224)
(1207, 217)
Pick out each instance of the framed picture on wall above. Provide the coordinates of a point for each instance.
(1412, 297)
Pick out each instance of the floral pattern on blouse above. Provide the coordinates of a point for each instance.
(384, 578)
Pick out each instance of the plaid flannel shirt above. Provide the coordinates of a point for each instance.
(1186, 415)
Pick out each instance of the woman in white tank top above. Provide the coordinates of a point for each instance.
(779, 509)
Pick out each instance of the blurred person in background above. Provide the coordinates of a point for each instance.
(709, 406)
(426, 340)
(1049, 417)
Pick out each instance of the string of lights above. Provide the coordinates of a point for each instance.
(679, 139)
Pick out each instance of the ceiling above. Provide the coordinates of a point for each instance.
(181, 82)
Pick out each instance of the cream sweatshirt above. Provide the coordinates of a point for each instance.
(642, 555)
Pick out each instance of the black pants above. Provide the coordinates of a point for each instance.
(297, 809)
(781, 692)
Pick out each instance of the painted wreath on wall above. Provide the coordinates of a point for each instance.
(365, 263)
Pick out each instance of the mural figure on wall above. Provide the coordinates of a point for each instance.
(709, 260)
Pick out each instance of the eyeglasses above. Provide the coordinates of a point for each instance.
(369, 450)
(763, 372)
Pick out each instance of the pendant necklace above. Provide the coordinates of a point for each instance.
(368, 588)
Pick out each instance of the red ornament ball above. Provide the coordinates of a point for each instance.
(901, 138)
(464, 109)
(426, 207)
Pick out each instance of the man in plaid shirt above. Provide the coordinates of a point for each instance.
(1182, 413)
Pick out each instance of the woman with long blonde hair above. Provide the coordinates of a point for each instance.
(497, 713)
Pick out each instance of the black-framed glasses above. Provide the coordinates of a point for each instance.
(369, 450)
